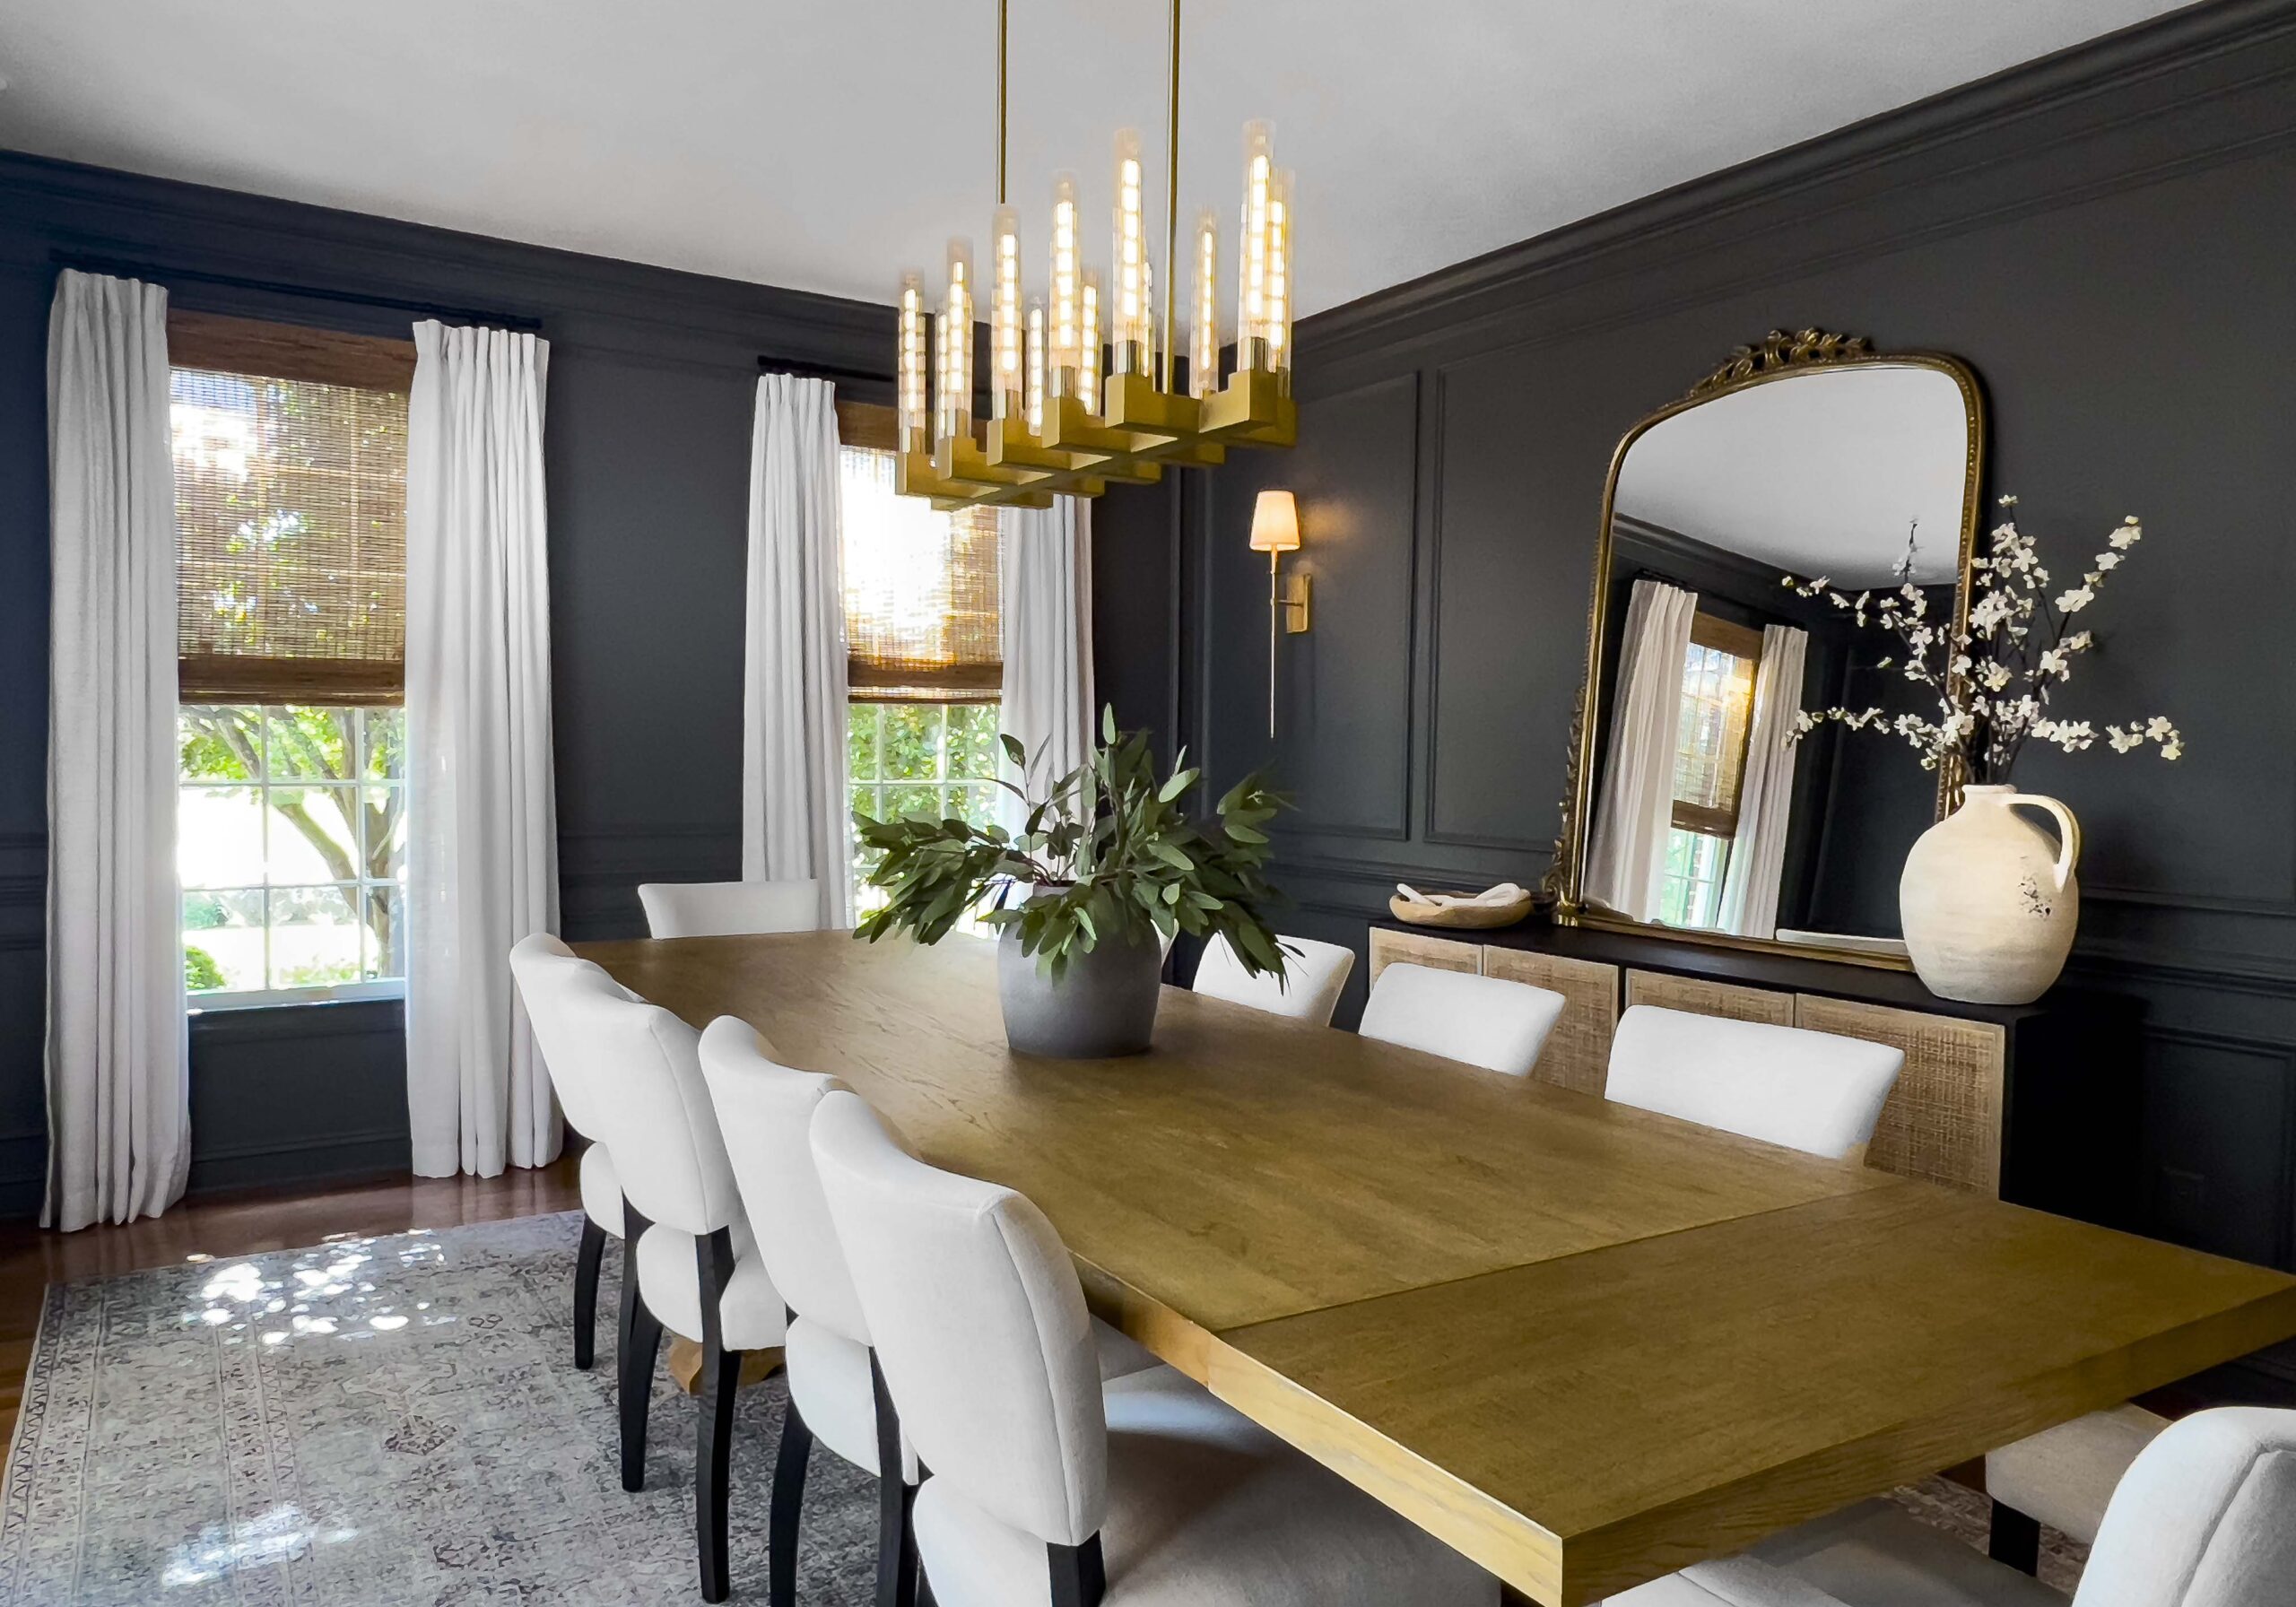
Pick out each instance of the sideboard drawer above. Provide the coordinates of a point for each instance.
(1416, 948)
(1942, 1122)
(1578, 1053)
(1698, 996)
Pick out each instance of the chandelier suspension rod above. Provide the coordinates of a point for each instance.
(1171, 193)
(1002, 50)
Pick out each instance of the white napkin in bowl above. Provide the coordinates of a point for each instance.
(1505, 893)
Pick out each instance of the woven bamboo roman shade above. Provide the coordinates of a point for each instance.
(290, 511)
(923, 619)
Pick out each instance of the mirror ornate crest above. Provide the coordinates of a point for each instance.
(1693, 805)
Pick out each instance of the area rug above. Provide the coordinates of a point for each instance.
(397, 1422)
(377, 1421)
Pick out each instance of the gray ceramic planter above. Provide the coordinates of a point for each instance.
(1103, 1003)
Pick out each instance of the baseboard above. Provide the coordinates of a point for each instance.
(330, 1159)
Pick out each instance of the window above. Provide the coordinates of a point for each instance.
(1710, 763)
(291, 509)
(926, 643)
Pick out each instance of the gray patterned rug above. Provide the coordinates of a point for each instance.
(379, 1422)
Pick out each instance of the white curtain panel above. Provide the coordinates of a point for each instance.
(1766, 790)
(482, 840)
(118, 1088)
(1627, 861)
(1045, 568)
(796, 806)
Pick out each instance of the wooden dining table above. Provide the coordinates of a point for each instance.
(1585, 1344)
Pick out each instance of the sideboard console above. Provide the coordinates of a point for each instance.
(2035, 1103)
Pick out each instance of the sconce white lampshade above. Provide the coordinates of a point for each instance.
(1276, 523)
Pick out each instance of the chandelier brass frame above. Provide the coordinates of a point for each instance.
(1079, 445)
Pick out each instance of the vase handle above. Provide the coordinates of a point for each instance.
(2068, 832)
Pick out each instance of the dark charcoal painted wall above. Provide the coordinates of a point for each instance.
(651, 376)
(2107, 237)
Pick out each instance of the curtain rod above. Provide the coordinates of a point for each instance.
(822, 370)
(133, 270)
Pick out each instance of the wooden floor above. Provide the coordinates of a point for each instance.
(248, 1223)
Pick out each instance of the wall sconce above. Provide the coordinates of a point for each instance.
(1276, 531)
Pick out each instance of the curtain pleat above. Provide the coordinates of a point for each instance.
(118, 1050)
(794, 801)
(1046, 565)
(1626, 862)
(482, 840)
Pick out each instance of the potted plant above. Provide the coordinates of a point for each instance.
(1106, 869)
(1989, 905)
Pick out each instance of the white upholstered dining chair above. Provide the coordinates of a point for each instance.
(2062, 1477)
(729, 908)
(1309, 990)
(698, 1271)
(2204, 1517)
(1814, 1091)
(1047, 1488)
(1483, 1021)
(546, 972)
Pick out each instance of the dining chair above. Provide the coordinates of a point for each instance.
(1483, 1021)
(766, 1111)
(1814, 1091)
(544, 970)
(1047, 1487)
(1309, 990)
(729, 908)
(2206, 1516)
(2062, 1477)
(700, 1273)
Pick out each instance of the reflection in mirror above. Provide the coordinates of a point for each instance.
(1709, 813)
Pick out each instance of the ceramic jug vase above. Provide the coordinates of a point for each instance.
(1989, 903)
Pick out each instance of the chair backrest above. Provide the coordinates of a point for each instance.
(1816, 1091)
(979, 1325)
(642, 1068)
(729, 908)
(2204, 1517)
(766, 1111)
(1308, 991)
(548, 974)
(1483, 1021)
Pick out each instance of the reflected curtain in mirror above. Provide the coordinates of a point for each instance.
(1765, 787)
(1625, 870)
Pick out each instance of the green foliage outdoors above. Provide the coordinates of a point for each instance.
(1109, 850)
(201, 974)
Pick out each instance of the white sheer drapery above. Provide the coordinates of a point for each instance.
(117, 1053)
(1766, 788)
(1626, 863)
(1046, 568)
(796, 808)
(482, 840)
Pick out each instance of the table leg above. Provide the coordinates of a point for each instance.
(684, 1364)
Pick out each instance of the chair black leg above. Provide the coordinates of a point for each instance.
(1080, 1575)
(896, 1497)
(788, 1502)
(586, 1293)
(721, 1376)
(2015, 1539)
(640, 1344)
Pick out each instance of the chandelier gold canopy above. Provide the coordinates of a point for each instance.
(1059, 422)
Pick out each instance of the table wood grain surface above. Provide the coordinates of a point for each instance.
(1586, 1345)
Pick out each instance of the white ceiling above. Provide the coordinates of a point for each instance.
(826, 143)
(1820, 474)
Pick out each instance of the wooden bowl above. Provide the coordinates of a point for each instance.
(1463, 917)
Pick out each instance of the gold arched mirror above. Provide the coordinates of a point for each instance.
(1694, 807)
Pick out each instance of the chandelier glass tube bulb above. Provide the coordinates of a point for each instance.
(1204, 325)
(953, 421)
(913, 424)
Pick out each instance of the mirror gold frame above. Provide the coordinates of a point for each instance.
(1777, 356)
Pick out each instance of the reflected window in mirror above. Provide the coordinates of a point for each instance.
(1717, 699)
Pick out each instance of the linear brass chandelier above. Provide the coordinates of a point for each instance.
(1057, 424)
